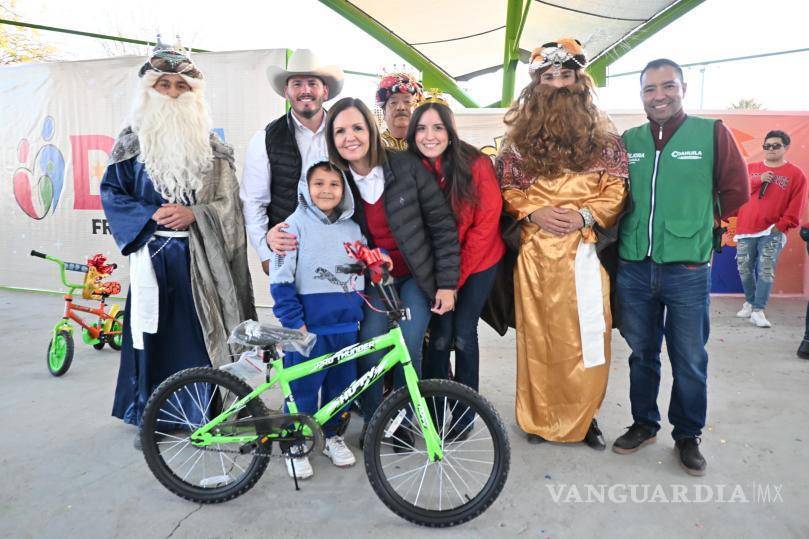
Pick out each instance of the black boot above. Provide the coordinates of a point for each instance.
(535, 439)
(691, 459)
(594, 438)
(362, 435)
(459, 433)
(402, 440)
(803, 349)
(636, 436)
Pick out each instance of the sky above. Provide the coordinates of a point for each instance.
(714, 30)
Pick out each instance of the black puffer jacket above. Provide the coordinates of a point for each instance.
(421, 222)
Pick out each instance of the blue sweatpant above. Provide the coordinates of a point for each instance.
(328, 383)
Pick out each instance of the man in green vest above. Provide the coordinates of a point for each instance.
(682, 170)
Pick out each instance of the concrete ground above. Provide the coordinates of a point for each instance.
(70, 469)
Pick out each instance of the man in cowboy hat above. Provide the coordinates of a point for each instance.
(278, 154)
(397, 96)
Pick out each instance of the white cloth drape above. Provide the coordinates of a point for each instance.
(144, 292)
(590, 302)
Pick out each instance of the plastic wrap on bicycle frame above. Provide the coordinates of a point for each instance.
(252, 333)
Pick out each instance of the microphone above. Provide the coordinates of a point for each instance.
(763, 188)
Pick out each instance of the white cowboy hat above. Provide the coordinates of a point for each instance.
(302, 63)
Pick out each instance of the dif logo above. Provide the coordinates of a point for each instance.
(39, 182)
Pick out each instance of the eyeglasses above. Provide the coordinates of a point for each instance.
(773, 146)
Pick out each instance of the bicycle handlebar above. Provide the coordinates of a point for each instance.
(69, 266)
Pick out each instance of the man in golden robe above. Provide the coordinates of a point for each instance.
(563, 174)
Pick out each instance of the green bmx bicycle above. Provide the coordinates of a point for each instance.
(208, 436)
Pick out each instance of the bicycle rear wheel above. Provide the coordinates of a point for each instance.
(179, 406)
(454, 490)
(116, 340)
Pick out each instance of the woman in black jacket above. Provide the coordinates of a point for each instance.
(401, 209)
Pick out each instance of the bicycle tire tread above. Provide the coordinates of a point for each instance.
(153, 460)
(494, 491)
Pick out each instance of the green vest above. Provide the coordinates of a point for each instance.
(672, 194)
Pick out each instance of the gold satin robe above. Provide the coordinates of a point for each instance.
(392, 143)
(557, 397)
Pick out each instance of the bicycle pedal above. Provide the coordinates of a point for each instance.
(259, 448)
(246, 449)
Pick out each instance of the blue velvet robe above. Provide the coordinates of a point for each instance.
(129, 200)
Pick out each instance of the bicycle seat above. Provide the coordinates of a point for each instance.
(252, 333)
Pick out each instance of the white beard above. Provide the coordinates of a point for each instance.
(174, 137)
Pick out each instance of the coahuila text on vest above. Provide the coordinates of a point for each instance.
(687, 154)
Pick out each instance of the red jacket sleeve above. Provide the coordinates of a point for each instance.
(483, 233)
(730, 171)
(794, 208)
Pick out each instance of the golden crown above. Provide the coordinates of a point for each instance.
(434, 95)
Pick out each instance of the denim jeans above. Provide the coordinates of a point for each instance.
(375, 324)
(671, 301)
(756, 259)
(460, 328)
(316, 390)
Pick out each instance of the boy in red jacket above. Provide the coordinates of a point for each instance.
(777, 193)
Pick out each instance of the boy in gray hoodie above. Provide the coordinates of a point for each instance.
(309, 295)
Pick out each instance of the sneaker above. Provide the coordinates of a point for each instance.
(339, 453)
(746, 311)
(691, 460)
(302, 467)
(633, 439)
(758, 318)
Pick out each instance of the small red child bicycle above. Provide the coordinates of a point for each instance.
(107, 329)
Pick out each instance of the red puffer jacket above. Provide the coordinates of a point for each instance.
(479, 224)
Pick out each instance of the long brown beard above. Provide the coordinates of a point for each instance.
(557, 129)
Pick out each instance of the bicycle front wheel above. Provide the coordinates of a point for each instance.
(183, 403)
(60, 353)
(450, 491)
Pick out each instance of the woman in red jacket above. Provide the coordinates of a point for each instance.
(468, 180)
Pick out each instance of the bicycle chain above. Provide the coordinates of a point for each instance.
(255, 452)
(301, 440)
